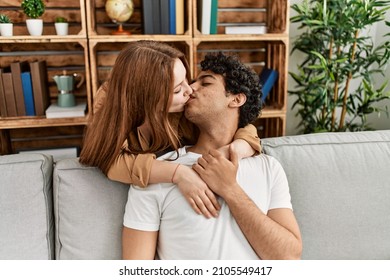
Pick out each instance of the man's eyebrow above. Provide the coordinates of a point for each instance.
(204, 76)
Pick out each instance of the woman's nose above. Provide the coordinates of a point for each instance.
(188, 90)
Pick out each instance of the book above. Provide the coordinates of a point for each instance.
(16, 69)
(245, 29)
(268, 78)
(3, 106)
(214, 17)
(172, 16)
(54, 111)
(164, 16)
(179, 17)
(40, 88)
(205, 16)
(151, 16)
(28, 93)
(8, 88)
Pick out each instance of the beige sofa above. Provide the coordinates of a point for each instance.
(339, 183)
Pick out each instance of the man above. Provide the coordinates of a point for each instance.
(255, 220)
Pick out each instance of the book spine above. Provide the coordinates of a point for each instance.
(39, 83)
(28, 93)
(156, 17)
(179, 17)
(268, 79)
(245, 29)
(205, 17)
(147, 16)
(172, 16)
(16, 69)
(164, 16)
(8, 87)
(3, 105)
(214, 17)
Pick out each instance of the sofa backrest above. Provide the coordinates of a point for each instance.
(88, 210)
(26, 207)
(340, 189)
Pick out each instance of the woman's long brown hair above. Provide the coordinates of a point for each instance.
(140, 88)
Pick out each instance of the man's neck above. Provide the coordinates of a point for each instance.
(213, 138)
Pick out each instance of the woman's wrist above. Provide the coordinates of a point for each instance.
(175, 173)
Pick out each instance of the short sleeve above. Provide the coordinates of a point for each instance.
(280, 192)
(142, 210)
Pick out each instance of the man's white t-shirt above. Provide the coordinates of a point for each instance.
(183, 234)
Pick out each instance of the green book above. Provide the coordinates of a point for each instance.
(214, 17)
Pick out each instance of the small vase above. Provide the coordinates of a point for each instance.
(34, 26)
(61, 28)
(6, 29)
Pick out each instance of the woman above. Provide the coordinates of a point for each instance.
(139, 116)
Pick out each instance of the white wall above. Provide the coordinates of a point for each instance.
(376, 122)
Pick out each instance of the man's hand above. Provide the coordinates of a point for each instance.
(218, 172)
(196, 192)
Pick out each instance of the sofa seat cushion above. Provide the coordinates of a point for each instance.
(340, 189)
(26, 211)
(88, 209)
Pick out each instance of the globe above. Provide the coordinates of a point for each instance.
(119, 11)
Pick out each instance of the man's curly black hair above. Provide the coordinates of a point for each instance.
(238, 79)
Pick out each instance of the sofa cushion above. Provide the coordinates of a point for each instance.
(26, 211)
(88, 210)
(340, 189)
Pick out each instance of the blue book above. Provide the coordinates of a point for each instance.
(172, 17)
(28, 93)
(268, 78)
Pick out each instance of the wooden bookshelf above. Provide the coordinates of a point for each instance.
(90, 49)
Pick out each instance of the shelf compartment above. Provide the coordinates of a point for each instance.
(99, 24)
(72, 10)
(270, 127)
(29, 139)
(69, 56)
(270, 13)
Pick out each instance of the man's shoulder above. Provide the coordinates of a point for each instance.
(262, 161)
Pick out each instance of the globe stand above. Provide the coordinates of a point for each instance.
(121, 31)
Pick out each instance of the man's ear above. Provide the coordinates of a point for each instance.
(237, 100)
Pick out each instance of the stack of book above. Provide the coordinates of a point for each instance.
(24, 89)
(163, 17)
(55, 111)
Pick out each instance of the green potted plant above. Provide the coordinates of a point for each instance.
(34, 9)
(335, 83)
(61, 26)
(6, 25)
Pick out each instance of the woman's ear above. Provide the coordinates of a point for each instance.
(237, 100)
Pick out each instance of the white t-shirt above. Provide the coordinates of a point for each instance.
(187, 235)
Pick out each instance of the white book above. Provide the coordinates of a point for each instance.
(246, 29)
(54, 111)
(205, 16)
